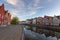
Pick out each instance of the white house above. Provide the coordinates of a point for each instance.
(29, 21)
(58, 18)
(34, 21)
(56, 21)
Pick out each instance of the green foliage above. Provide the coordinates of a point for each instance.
(14, 20)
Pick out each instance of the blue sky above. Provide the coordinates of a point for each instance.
(25, 9)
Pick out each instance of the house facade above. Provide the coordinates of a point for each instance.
(55, 21)
(1, 13)
(45, 21)
(29, 21)
(5, 17)
(58, 19)
(34, 21)
(40, 21)
(49, 20)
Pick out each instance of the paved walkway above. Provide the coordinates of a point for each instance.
(11, 32)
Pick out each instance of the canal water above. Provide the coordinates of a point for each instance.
(40, 36)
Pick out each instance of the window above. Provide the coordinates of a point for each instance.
(0, 15)
(0, 22)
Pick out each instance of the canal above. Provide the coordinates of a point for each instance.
(31, 35)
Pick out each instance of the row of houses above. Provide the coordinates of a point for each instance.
(46, 20)
(5, 16)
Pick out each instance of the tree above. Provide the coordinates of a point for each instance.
(14, 20)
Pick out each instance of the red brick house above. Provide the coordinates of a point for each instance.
(5, 17)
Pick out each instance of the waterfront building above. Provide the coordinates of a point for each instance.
(29, 21)
(5, 17)
(34, 21)
(40, 21)
(8, 18)
(49, 19)
(58, 19)
(55, 21)
(45, 21)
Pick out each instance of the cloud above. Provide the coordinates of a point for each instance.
(13, 2)
(20, 4)
(57, 12)
(36, 2)
(22, 14)
(14, 13)
(17, 3)
(49, 0)
(33, 7)
(31, 13)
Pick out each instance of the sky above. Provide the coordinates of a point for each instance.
(26, 9)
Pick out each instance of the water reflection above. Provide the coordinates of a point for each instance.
(41, 36)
